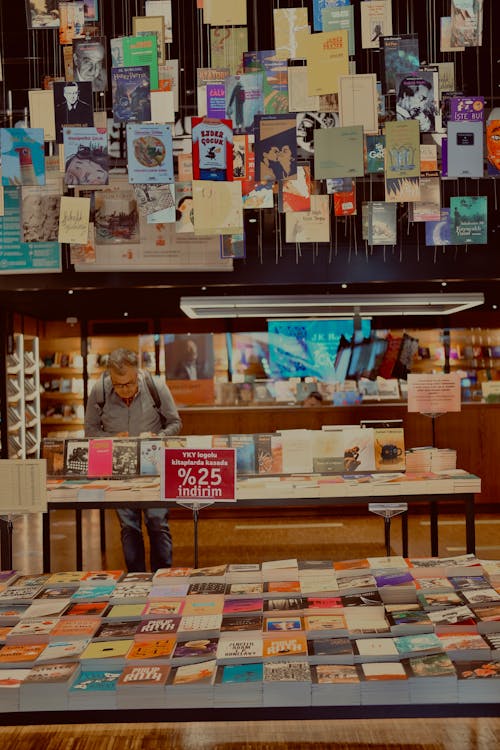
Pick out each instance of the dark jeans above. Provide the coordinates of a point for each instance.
(160, 539)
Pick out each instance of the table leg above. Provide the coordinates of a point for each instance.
(46, 541)
(79, 550)
(102, 526)
(470, 529)
(434, 528)
(404, 533)
(6, 529)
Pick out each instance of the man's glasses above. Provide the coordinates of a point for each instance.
(122, 386)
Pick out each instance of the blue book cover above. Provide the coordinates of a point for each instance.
(93, 593)
(150, 153)
(241, 673)
(375, 154)
(469, 220)
(245, 453)
(275, 78)
(151, 451)
(318, 8)
(16, 255)
(131, 93)
(439, 232)
(99, 680)
(22, 156)
(244, 100)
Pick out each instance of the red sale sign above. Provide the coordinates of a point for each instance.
(194, 474)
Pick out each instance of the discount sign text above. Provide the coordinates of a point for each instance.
(199, 474)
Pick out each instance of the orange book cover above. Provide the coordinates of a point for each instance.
(286, 646)
(149, 649)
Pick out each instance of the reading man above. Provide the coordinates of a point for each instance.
(121, 404)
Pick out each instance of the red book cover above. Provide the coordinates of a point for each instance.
(100, 457)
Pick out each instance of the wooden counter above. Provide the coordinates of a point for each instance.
(474, 432)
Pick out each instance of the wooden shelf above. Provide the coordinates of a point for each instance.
(48, 371)
(62, 420)
(58, 396)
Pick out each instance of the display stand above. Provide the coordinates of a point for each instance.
(6, 529)
(195, 507)
(433, 416)
(388, 511)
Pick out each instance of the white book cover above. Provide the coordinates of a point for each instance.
(358, 101)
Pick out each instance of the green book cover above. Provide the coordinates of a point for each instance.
(338, 152)
(142, 50)
(334, 18)
(469, 220)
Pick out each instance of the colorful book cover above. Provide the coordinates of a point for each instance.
(131, 93)
(275, 78)
(294, 194)
(319, 6)
(142, 50)
(212, 148)
(469, 220)
(86, 159)
(389, 449)
(71, 21)
(216, 100)
(469, 108)
(151, 650)
(439, 232)
(150, 456)
(275, 147)
(284, 646)
(150, 153)
(201, 673)
(493, 143)
(343, 190)
(53, 452)
(400, 55)
(244, 100)
(195, 651)
(289, 25)
(465, 149)
(241, 673)
(42, 15)
(232, 246)
(100, 463)
(97, 680)
(73, 105)
(22, 156)
(375, 152)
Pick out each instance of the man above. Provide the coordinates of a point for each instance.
(88, 61)
(121, 405)
(74, 107)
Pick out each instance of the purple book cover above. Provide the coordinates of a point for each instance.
(467, 108)
(216, 100)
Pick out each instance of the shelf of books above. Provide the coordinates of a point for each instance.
(285, 637)
(23, 398)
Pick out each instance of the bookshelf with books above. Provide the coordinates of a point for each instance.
(23, 398)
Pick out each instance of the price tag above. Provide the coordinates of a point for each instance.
(195, 474)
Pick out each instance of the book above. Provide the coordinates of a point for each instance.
(151, 651)
(284, 647)
(469, 220)
(72, 105)
(100, 457)
(376, 22)
(212, 139)
(116, 630)
(239, 648)
(466, 108)
(275, 78)
(20, 654)
(244, 100)
(94, 689)
(76, 461)
(131, 93)
(150, 153)
(106, 653)
(400, 55)
(338, 152)
(466, 25)
(125, 458)
(275, 147)
(156, 626)
(142, 51)
(75, 627)
(465, 145)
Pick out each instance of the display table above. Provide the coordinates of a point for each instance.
(287, 491)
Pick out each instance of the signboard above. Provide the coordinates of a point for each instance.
(434, 394)
(23, 486)
(199, 475)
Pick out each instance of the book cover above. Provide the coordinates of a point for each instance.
(95, 681)
(241, 624)
(150, 153)
(218, 207)
(86, 609)
(284, 647)
(100, 457)
(240, 673)
(75, 627)
(109, 651)
(493, 143)
(71, 21)
(381, 223)
(227, 46)
(336, 18)
(327, 59)
(275, 147)
(275, 78)
(466, 108)
(142, 50)
(466, 25)
(306, 125)
(338, 152)
(375, 152)
(86, 160)
(417, 98)
(53, 452)
(298, 98)
(201, 673)
(268, 453)
(76, 460)
(138, 676)
(428, 208)
(23, 156)
(212, 148)
(439, 232)
(189, 652)
(52, 674)
(125, 458)
(469, 220)
(465, 149)
(289, 25)
(131, 93)
(358, 101)
(400, 55)
(67, 649)
(309, 226)
(239, 649)
(73, 105)
(151, 651)
(154, 627)
(42, 15)
(216, 100)
(244, 100)
(389, 448)
(376, 22)
(89, 61)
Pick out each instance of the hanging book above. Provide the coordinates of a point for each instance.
(72, 20)
(469, 220)
(307, 124)
(244, 100)
(417, 98)
(493, 143)
(382, 223)
(335, 18)
(212, 148)
(150, 154)
(275, 78)
(142, 50)
(466, 108)
(375, 153)
(338, 152)
(161, 8)
(227, 46)
(310, 226)
(86, 159)
(327, 59)
(89, 62)
(275, 147)
(465, 149)
(131, 93)
(43, 14)
(466, 23)
(295, 193)
(439, 232)
(376, 22)
(400, 56)
(73, 105)
(22, 156)
(289, 24)
(358, 101)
